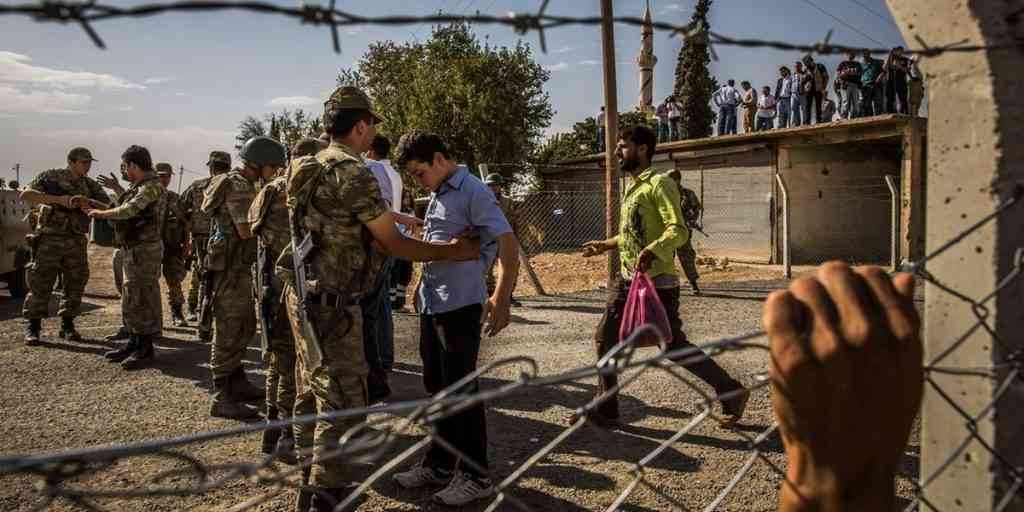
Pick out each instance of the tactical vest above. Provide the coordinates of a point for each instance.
(225, 250)
(201, 223)
(174, 227)
(147, 225)
(58, 220)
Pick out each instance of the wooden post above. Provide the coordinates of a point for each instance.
(611, 136)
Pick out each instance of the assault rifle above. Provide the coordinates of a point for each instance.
(264, 295)
(302, 247)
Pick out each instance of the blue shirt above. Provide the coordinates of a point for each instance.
(383, 180)
(462, 202)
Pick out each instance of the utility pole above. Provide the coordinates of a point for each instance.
(17, 174)
(611, 130)
(181, 174)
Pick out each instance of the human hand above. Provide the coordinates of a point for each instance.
(847, 380)
(110, 182)
(495, 315)
(594, 248)
(465, 247)
(644, 261)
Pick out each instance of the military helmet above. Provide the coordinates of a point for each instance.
(494, 179)
(262, 151)
(347, 98)
(164, 169)
(221, 157)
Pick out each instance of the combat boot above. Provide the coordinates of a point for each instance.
(285, 448)
(67, 329)
(177, 318)
(192, 316)
(242, 390)
(120, 354)
(270, 435)
(224, 406)
(32, 328)
(143, 355)
(121, 334)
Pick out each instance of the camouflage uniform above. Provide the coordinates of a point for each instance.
(269, 218)
(230, 259)
(174, 268)
(692, 210)
(191, 202)
(339, 194)
(137, 227)
(508, 209)
(60, 245)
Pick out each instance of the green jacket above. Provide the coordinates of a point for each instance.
(650, 219)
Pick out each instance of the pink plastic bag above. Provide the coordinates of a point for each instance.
(644, 307)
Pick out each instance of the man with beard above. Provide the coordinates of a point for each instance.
(653, 229)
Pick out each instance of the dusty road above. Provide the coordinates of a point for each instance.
(65, 395)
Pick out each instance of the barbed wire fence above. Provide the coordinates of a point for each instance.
(65, 475)
(58, 475)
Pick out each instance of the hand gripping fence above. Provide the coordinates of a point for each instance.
(56, 474)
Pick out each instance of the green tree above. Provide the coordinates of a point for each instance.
(582, 140)
(487, 102)
(287, 126)
(694, 84)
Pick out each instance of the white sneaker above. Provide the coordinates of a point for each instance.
(463, 490)
(420, 476)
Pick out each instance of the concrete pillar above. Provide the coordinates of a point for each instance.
(975, 160)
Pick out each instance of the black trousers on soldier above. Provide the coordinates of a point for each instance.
(607, 336)
(449, 346)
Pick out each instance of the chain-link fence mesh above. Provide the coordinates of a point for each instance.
(107, 477)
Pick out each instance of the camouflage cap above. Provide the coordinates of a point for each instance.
(348, 98)
(164, 169)
(81, 154)
(219, 157)
(494, 179)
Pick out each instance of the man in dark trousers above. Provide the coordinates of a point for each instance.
(652, 229)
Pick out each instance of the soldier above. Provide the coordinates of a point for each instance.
(60, 243)
(174, 232)
(336, 206)
(693, 213)
(269, 218)
(191, 202)
(139, 219)
(227, 292)
(495, 182)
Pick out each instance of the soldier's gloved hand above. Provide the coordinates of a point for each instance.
(847, 381)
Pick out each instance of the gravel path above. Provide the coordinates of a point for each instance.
(64, 395)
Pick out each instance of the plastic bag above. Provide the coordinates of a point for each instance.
(643, 307)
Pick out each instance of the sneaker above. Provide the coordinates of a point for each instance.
(421, 476)
(463, 490)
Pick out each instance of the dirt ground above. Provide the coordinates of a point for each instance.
(62, 395)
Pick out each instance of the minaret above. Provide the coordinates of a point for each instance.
(647, 60)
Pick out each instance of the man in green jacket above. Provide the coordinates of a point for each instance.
(652, 228)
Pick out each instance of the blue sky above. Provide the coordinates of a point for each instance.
(180, 83)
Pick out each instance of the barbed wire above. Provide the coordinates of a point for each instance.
(85, 13)
(375, 440)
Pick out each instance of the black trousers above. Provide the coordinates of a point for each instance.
(449, 346)
(607, 336)
(812, 100)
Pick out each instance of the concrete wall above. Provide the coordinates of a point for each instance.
(841, 206)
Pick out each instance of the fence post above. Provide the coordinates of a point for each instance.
(611, 123)
(786, 262)
(894, 243)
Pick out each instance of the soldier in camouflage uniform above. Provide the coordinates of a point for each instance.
(174, 233)
(693, 212)
(269, 218)
(335, 199)
(139, 219)
(60, 243)
(228, 296)
(191, 202)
